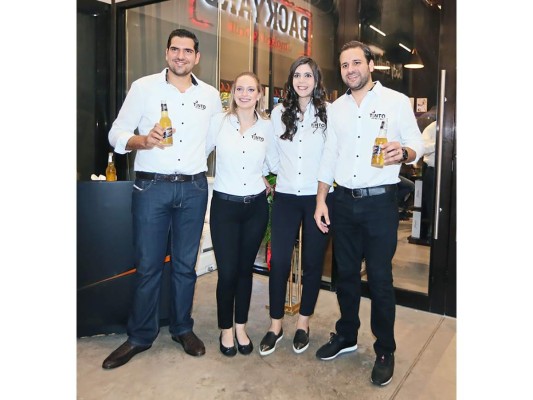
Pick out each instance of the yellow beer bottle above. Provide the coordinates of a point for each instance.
(110, 171)
(377, 153)
(166, 124)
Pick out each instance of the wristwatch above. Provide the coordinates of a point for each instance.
(405, 154)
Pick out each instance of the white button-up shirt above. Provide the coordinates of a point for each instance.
(240, 158)
(351, 133)
(189, 112)
(429, 136)
(299, 160)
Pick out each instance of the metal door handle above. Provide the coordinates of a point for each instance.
(438, 163)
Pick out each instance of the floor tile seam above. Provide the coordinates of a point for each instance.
(417, 358)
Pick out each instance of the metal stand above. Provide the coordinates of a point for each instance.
(294, 283)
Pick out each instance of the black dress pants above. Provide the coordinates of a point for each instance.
(288, 212)
(237, 230)
(366, 227)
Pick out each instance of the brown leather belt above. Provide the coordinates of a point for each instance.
(152, 176)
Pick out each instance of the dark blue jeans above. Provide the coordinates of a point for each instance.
(160, 208)
(367, 228)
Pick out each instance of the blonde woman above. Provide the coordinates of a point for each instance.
(245, 150)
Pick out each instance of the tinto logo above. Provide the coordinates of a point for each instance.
(374, 115)
(258, 138)
(198, 105)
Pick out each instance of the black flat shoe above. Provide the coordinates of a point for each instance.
(227, 351)
(300, 342)
(244, 349)
(269, 342)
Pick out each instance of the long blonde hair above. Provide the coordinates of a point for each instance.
(259, 105)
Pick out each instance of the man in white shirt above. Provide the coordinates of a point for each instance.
(169, 193)
(365, 210)
(428, 181)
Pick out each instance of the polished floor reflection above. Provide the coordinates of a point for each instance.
(410, 265)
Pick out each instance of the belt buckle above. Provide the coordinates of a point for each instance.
(360, 195)
(176, 178)
(248, 199)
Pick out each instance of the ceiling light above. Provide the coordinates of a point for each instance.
(415, 62)
(377, 30)
(405, 47)
(381, 64)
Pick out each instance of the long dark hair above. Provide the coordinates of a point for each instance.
(290, 102)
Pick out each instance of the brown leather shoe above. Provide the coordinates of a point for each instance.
(123, 354)
(191, 343)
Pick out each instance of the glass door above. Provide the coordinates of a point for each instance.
(407, 38)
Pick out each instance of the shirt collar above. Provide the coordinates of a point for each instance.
(376, 88)
(164, 75)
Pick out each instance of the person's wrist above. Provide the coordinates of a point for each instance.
(405, 155)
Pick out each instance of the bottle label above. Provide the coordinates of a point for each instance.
(376, 150)
(167, 133)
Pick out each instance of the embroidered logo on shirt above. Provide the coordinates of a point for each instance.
(198, 105)
(374, 115)
(258, 138)
(315, 125)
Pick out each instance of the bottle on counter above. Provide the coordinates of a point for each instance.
(110, 171)
(377, 153)
(166, 124)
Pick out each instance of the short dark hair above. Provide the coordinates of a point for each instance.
(183, 33)
(369, 55)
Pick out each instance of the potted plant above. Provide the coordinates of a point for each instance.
(271, 178)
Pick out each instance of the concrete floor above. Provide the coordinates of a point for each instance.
(425, 359)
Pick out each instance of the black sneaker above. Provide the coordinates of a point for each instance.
(300, 343)
(336, 345)
(269, 342)
(383, 369)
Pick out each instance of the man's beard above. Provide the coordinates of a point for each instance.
(357, 86)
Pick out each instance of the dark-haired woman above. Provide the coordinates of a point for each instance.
(300, 124)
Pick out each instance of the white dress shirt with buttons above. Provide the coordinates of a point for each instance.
(299, 160)
(189, 112)
(351, 133)
(240, 158)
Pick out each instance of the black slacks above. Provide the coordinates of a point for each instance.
(237, 230)
(366, 227)
(288, 212)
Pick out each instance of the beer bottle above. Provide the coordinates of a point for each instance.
(377, 153)
(110, 171)
(166, 124)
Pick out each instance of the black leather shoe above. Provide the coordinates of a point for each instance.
(269, 342)
(227, 351)
(245, 349)
(123, 354)
(300, 342)
(191, 343)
